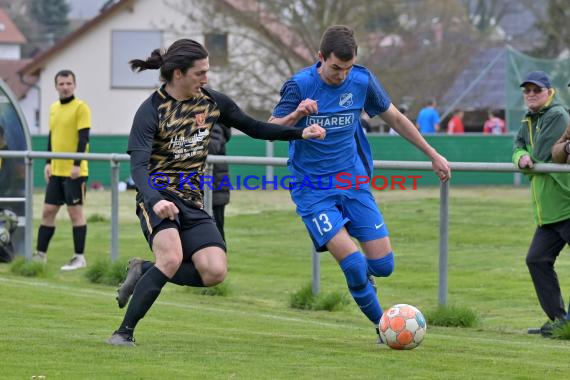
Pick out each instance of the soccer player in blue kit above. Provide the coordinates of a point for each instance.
(333, 93)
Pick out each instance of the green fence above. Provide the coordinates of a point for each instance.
(465, 148)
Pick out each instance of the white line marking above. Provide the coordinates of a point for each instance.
(78, 292)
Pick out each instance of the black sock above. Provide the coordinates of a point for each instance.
(187, 275)
(44, 236)
(79, 233)
(147, 290)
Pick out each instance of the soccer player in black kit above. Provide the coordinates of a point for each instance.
(168, 142)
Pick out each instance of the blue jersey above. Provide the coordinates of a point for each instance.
(428, 118)
(345, 148)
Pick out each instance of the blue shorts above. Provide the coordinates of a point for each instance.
(326, 212)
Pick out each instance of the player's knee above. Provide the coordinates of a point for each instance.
(49, 213)
(355, 269)
(534, 259)
(169, 262)
(382, 267)
(214, 275)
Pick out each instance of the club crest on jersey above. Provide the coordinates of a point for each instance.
(345, 100)
(200, 118)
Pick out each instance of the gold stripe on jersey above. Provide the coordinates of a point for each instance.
(180, 146)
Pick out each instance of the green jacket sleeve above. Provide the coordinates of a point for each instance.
(519, 149)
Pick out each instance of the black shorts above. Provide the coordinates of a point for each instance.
(197, 229)
(62, 190)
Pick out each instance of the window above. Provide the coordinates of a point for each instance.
(127, 45)
(217, 45)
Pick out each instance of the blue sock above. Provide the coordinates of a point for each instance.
(355, 267)
(382, 267)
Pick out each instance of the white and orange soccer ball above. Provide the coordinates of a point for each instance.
(402, 327)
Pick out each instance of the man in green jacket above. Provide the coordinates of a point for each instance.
(542, 125)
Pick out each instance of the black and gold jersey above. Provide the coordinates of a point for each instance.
(169, 140)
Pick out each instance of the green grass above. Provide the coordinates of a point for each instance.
(57, 325)
(304, 299)
(452, 316)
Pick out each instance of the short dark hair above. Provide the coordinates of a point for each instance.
(180, 55)
(339, 39)
(64, 73)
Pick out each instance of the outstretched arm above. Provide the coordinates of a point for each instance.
(231, 114)
(406, 129)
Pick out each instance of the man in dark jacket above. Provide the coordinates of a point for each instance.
(561, 149)
(544, 122)
(219, 136)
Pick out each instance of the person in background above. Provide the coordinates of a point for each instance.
(494, 125)
(6, 168)
(69, 125)
(428, 118)
(455, 124)
(219, 136)
(561, 149)
(544, 123)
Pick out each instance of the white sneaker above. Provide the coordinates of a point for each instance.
(40, 257)
(76, 262)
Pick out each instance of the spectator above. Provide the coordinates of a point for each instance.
(455, 124)
(561, 150)
(544, 122)
(428, 118)
(7, 170)
(219, 136)
(494, 124)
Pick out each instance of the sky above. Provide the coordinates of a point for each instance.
(85, 9)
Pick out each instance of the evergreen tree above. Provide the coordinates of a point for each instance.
(52, 16)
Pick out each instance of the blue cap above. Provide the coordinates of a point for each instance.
(537, 77)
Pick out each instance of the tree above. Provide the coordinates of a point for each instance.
(554, 25)
(415, 47)
(42, 22)
(52, 15)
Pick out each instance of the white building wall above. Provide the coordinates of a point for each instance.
(29, 106)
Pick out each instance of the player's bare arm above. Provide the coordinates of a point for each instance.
(305, 108)
(406, 129)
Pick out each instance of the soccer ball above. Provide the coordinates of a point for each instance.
(402, 327)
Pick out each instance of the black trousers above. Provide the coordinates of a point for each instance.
(219, 218)
(547, 243)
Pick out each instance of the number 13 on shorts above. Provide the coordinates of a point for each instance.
(322, 223)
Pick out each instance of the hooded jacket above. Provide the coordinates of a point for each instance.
(550, 192)
(219, 136)
(559, 153)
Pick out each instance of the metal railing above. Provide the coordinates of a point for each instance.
(115, 159)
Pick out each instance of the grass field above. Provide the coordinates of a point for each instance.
(56, 326)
